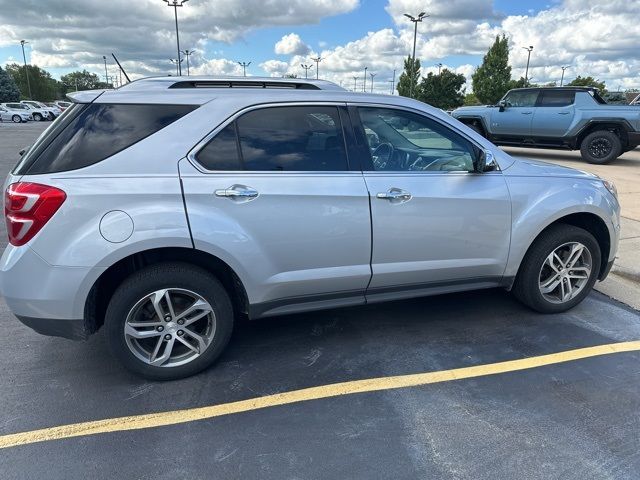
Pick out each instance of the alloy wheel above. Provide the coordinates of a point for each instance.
(565, 272)
(600, 147)
(170, 327)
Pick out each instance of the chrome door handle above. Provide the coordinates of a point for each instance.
(237, 191)
(394, 194)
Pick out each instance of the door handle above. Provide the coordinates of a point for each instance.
(526, 113)
(564, 113)
(241, 192)
(394, 194)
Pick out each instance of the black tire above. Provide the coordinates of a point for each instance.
(600, 147)
(16, 119)
(156, 277)
(526, 287)
(37, 117)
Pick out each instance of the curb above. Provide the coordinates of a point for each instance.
(628, 273)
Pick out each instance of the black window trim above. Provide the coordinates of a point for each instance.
(543, 92)
(367, 166)
(352, 165)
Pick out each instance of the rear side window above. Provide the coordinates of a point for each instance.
(299, 138)
(557, 98)
(96, 132)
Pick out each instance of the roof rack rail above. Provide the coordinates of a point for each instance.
(223, 82)
(243, 84)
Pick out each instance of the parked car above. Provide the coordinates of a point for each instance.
(62, 105)
(38, 114)
(574, 118)
(162, 210)
(54, 112)
(8, 114)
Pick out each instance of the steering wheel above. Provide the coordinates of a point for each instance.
(382, 155)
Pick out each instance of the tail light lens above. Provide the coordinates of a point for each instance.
(28, 207)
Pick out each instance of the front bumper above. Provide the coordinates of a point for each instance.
(634, 139)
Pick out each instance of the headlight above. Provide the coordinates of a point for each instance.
(611, 187)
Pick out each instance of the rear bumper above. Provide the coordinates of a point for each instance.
(605, 272)
(71, 329)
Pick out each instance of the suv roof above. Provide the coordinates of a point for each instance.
(571, 89)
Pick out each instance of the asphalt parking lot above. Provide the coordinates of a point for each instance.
(571, 419)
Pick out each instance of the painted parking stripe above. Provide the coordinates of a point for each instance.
(152, 420)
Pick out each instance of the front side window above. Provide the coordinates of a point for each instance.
(405, 141)
(557, 98)
(281, 139)
(521, 98)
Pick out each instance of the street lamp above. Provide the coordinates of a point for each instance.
(177, 64)
(106, 74)
(439, 65)
(415, 21)
(306, 69)
(391, 82)
(563, 69)
(355, 83)
(26, 71)
(244, 66)
(364, 85)
(187, 53)
(393, 85)
(526, 73)
(175, 4)
(372, 75)
(318, 59)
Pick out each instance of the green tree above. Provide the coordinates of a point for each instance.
(470, 99)
(9, 91)
(491, 80)
(587, 82)
(83, 80)
(444, 90)
(408, 81)
(44, 88)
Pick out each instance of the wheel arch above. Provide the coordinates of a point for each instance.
(106, 284)
(619, 126)
(475, 120)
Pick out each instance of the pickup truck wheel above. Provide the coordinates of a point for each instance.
(559, 269)
(169, 321)
(600, 147)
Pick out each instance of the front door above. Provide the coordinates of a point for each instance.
(514, 119)
(272, 195)
(435, 220)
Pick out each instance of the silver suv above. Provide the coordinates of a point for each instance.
(164, 209)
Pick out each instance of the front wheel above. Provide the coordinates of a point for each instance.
(37, 117)
(16, 119)
(169, 321)
(559, 270)
(600, 147)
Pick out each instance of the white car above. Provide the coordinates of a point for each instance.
(62, 105)
(15, 115)
(37, 113)
(54, 112)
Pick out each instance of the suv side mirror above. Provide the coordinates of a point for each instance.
(485, 162)
(502, 104)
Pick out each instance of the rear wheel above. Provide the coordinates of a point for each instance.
(559, 270)
(601, 146)
(169, 321)
(16, 119)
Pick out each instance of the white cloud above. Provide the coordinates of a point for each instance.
(275, 68)
(291, 44)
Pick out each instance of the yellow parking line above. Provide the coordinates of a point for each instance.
(151, 420)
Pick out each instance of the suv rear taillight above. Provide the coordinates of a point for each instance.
(28, 207)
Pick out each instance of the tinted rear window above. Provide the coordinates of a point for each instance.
(96, 132)
(557, 98)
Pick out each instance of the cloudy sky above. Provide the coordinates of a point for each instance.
(593, 37)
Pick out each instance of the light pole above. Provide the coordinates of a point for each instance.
(106, 74)
(318, 59)
(391, 82)
(563, 69)
(177, 64)
(26, 71)
(393, 85)
(187, 53)
(372, 75)
(415, 21)
(175, 4)
(439, 65)
(244, 66)
(355, 83)
(306, 69)
(364, 85)
(526, 72)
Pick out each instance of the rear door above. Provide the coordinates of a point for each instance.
(272, 193)
(553, 114)
(516, 117)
